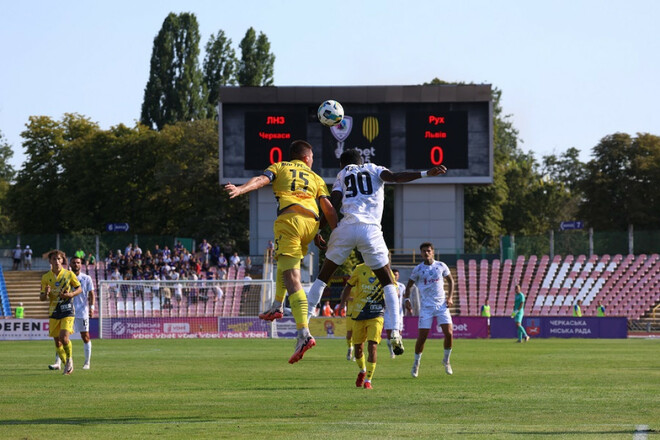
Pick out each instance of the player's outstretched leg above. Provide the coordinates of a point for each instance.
(303, 344)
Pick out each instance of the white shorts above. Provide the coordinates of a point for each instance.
(389, 325)
(368, 239)
(80, 325)
(426, 315)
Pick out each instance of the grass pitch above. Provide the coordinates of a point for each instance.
(554, 388)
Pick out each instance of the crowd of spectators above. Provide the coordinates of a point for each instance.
(209, 262)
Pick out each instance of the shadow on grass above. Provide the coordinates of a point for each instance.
(105, 421)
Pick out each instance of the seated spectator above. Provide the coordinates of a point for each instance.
(235, 260)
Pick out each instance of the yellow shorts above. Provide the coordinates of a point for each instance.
(56, 325)
(367, 330)
(349, 324)
(293, 233)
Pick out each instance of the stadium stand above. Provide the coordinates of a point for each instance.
(627, 286)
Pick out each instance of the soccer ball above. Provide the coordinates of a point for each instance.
(330, 113)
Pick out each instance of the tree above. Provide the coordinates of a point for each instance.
(219, 67)
(622, 182)
(37, 199)
(6, 176)
(175, 90)
(256, 66)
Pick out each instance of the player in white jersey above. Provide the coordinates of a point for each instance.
(360, 190)
(82, 304)
(429, 277)
(388, 323)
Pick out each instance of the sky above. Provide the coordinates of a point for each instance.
(571, 72)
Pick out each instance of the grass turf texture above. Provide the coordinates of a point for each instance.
(579, 389)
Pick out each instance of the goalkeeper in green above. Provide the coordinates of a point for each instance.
(518, 313)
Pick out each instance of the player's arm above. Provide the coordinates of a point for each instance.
(450, 293)
(92, 300)
(329, 212)
(409, 176)
(45, 292)
(406, 296)
(345, 294)
(254, 183)
(65, 295)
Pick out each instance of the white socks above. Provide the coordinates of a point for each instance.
(391, 292)
(314, 296)
(88, 351)
(447, 354)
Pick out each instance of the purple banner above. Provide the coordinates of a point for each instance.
(464, 327)
(562, 327)
(160, 328)
(243, 328)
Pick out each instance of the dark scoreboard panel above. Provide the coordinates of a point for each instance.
(437, 137)
(390, 125)
(269, 134)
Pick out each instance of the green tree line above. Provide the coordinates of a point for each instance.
(161, 176)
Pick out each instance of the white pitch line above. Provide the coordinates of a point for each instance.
(641, 432)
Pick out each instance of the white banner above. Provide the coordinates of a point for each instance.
(23, 329)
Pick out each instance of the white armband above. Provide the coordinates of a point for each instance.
(424, 173)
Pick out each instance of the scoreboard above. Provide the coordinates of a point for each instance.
(400, 127)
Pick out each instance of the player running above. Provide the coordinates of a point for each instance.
(360, 188)
(429, 278)
(364, 293)
(60, 286)
(297, 190)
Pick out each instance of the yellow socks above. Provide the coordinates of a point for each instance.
(298, 303)
(361, 362)
(61, 353)
(371, 367)
(68, 349)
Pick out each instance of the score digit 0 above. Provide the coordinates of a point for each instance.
(275, 152)
(437, 155)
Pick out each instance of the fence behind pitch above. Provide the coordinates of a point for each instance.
(183, 308)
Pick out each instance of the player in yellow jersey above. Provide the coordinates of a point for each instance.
(299, 192)
(365, 292)
(350, 356)
(59, 286)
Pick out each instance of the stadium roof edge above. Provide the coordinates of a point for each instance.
(358, 94)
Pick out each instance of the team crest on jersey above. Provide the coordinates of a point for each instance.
(372, 279)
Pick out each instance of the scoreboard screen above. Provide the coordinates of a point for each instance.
(269, 134)
(437, 138)
(399, 127)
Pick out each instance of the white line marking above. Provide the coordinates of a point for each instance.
(641, 432)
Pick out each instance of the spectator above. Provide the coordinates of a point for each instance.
(27, 258)
(79, 254)
(16, 254)
(327, 310)
(235, 260)
(600, 310)
(91, 261)
(248, 264)
(215, 254)
(205, 249)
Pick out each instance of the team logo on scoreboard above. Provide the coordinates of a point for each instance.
(341, 132)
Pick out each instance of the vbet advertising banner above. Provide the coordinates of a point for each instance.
(465, 327)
